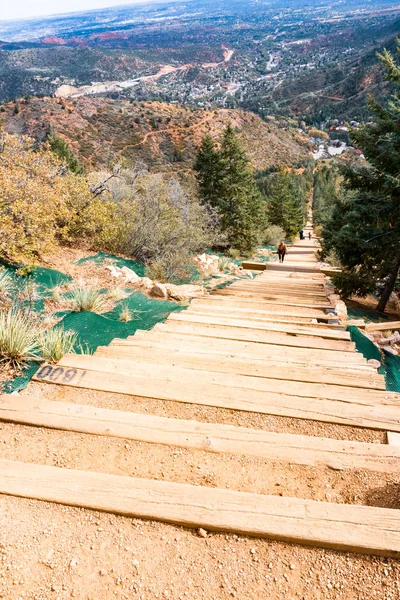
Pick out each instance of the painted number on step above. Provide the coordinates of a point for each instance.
(60, 375)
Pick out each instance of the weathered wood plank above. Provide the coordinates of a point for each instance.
(307, 330)
(261, 304)
(344, 527)
(285, 299)
(387, 326)
(221, 305)
(249, 350)
(157, 353)
(255, 335)
(211, 437)
(270, 387)
(332, 411)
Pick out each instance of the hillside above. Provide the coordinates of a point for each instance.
(339, 90)
(165, 136)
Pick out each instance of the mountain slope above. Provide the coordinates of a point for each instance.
(165, 136)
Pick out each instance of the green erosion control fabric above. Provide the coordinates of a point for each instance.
(390, 363)
(98, 330)
(46, 279)
(93, 330)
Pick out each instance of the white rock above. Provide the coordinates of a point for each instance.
(341, 310)
(202, 532)
(159, 290)
(146, 283)
(130, 274)
(184, 292)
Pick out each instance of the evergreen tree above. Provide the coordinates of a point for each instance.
(286, 203)
(364, 229)
(208, 171)
(63, 151)
(227, 183)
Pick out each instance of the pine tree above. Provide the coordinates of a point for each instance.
(63, 151)
(227, 183)
(285, 203)
(208, 171)
(367, 240)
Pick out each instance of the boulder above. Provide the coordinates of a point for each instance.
(341, 310)
(159, 291)
(129, 274)
(180, 293)
(145, 283)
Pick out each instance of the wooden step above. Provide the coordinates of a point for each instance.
(363, 529)
(332, 411)
(255, 335)
(306, 330)
(159, 354)
(269, 289)
(260, 316)
(248, 316)
(270, 387)
(210, 437)
(262, 304)
(222, 305)
(249, 350)
(246, 304)
(283, 300)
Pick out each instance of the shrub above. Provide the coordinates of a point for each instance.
(273, 235)
(56, 342)
(234, 253)
(174, 266)
(86, 299)
(18, 338)
(161, 224)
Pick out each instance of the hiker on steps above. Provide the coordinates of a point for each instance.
(309, 235)
(282, 249)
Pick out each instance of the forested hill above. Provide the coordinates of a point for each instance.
(103, 131)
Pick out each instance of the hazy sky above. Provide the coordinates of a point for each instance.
(20, 9)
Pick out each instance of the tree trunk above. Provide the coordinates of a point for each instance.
(389, 286)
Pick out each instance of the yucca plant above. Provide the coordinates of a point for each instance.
(56, 342)
(86, 299)
(223, 263)
(6, 285)
(18, 338)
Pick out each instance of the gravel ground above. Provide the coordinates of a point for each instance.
(51, 551)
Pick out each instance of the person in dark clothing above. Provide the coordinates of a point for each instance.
(309, 235)
(282, 249)
(302, 235)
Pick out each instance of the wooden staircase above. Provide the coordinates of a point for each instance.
(266, 345)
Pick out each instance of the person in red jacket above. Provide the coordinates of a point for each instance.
(282, 249)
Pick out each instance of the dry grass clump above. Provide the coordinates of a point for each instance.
(56, 342)
(87, 299)
(116, 293)
(126, 314)
(18, 338)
